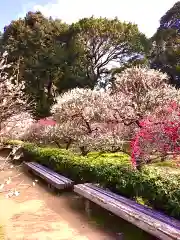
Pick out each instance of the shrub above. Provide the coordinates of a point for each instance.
(115, 172)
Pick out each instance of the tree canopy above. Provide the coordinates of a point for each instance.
(52, 57)
(165, 53)
(105, 44)
(31, 43)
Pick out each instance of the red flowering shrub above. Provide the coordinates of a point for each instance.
(158, 136)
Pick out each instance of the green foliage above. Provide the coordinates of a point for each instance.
(31, 43)
(168, 163)
(98, 42)
(53, 57)
(165, 54)
(13, 142)
(114, 171)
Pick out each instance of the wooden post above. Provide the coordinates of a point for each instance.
(87, 207)
(120, 236)
(51, 188)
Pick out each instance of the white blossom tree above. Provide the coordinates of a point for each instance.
(138, 91)
(84, 118)
(76, 113)
(13, 120)
(16, 126)
(12, 100)
(40, 132)
(104, 119)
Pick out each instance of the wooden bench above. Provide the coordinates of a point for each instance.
(54, 179)
(151, 221)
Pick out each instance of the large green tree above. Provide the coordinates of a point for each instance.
(48, 54)
(31, 43)
(165, 54)
(96, 46)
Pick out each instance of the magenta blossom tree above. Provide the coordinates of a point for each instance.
(158, 136)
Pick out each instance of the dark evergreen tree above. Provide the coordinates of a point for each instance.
(165, 54)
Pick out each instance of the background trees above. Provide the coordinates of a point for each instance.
(165, 45)
(31, 43)
(52, 57)
(94, 65)
(100, 45)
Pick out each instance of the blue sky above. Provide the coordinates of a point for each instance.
(12, 9)
(145, 13)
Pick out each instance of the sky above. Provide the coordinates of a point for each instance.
(145, 13)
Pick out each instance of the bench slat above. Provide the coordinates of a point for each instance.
(54, 181)
(158, 215)
(126, 211)
(58, 176)
(43, 172)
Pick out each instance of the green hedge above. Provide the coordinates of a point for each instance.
(158, 187)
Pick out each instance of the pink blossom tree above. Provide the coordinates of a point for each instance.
(158, 136)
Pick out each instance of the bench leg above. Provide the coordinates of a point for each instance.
(87, 204)
(26, 170)
(119, 236)
(51, 188)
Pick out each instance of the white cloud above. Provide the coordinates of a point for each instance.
(145, 13)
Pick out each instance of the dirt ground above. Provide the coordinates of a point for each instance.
(38, 214)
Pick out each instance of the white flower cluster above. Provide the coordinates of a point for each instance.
(16, 126)
(12, 99)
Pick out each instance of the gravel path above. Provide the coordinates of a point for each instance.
(37, 214)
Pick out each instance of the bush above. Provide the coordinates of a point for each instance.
(115, 172)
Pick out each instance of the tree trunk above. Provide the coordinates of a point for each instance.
(84, 151)
(68, 144)
(56, 142)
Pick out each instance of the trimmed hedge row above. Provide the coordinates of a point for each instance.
(158, 187)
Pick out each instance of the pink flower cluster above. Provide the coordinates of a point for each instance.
(158, 134)
(47, 122)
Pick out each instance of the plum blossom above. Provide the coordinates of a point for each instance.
(12, 99)
(104, 119)
(158, 136)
